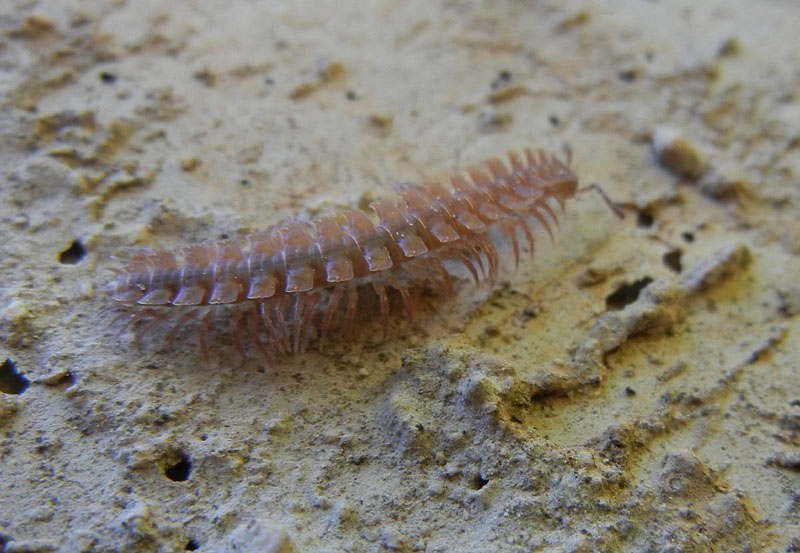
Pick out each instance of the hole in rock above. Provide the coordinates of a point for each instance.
(478, 482)
(688, 236)
(179, 471)
(503, 79)
(645, 219)
(191, 545)
(73, 254)
(626, 294)
(11, 382)
(673, 260)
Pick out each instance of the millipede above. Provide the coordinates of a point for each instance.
(291, 284)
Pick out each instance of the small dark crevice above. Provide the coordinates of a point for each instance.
(630, 392)
(73, 254)
(504, 78)
(672, 260)
(180, 470)
(108, 78)
(191, 545)
(785, 462)
(67, 381)
(478, 482)
(626, 294)
(531, 312)
(688, 237)
(645, 219)
(12, 382)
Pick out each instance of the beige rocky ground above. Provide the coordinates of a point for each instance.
(633, 388)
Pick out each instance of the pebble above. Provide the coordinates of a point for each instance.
(259, 536)
(677, 153)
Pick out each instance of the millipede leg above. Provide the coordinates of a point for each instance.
(408, 306)
(236, 329)
(131, 318)
(526, 230)
(330, 310)
(492, 257)
(380, 289)
(154, 317)
(178, 325)
(446, 279)
(252, 328)
(297, 316)
(511, 231)
(534, 212)
(280, 327)
(266, 316)
(205, 324)
(308, 318)
(468, 264)
(611, 205)
(350, 313)
(475, 251)
(424, 273)
(550, 213)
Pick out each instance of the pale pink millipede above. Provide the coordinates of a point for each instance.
(288, 284)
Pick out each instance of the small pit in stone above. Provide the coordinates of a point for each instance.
(626, 294)
(645, 219)
(191, 545)
(478, 482)
(73, 254)
(672, 260)
(178, 470)
(11, 382)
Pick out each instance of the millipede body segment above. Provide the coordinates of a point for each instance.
(297, 280)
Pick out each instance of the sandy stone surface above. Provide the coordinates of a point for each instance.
(634, 387)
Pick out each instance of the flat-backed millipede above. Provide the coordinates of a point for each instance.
(295, 281)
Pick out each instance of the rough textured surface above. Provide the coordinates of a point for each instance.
(633, 388)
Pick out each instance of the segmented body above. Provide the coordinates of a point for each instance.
(293, 281)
